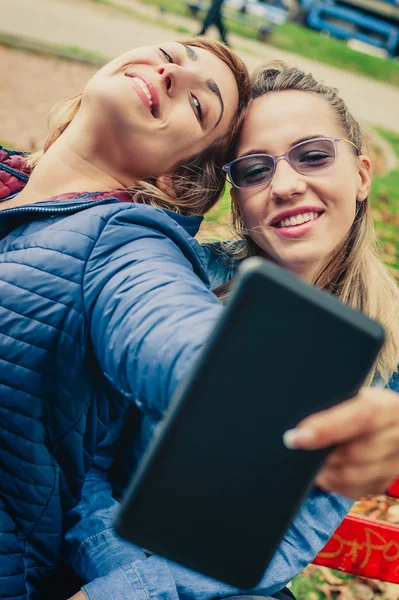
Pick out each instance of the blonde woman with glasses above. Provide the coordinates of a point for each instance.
(301, 178)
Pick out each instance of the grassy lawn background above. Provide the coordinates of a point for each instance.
(385, 202)
(290, 37)
(70, 53)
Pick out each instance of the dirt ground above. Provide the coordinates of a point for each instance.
(30, 86)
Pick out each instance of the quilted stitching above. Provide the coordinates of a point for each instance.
(55, 403)
(46, 377)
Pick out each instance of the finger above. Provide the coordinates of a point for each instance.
(368, 449)
(354, 482)
(371, 410)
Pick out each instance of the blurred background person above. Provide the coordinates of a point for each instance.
(214, 17)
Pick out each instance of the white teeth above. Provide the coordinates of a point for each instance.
(298, 219)
(145, 89)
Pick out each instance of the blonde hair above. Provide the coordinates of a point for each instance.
(197, 183)
(355, 272)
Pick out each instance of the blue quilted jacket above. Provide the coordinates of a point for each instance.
(102, 302)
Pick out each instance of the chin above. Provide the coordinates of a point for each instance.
(302, 266)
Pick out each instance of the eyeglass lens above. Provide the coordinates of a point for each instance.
(304, 158)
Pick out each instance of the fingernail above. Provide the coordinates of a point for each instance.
(296, 438)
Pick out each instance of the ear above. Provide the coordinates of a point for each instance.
(165, 184)
(365, 178)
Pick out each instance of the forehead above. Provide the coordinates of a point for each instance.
(278, 120)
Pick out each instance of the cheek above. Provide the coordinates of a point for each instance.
(253, 207)
(345, 201)
(182, 127)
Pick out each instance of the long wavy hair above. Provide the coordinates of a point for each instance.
(196, 183)
(354, 272)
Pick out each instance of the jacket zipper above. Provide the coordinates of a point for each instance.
(43, 209)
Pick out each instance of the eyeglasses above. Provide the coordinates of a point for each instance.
(306, 157)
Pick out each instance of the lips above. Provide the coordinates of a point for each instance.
(296, 220)
(147, 92)
(298, 230)
(296, 216)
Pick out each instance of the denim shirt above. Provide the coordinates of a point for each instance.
(119, 570)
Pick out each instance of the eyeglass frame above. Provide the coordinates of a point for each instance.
(227, 167)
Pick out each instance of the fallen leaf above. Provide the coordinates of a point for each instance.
(393, 513)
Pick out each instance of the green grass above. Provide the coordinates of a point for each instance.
(69, 53)
(293, 38)
(7, 145)
(331, 51)
(217, 221)
(313, 586)
(385, 202)
(220, 210)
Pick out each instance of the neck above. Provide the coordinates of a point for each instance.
(307, 273)
(73, 163)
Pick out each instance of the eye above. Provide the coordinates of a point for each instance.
(166, 56)
(255, 173)
(198, 108)
(313, 154)
(314, 157)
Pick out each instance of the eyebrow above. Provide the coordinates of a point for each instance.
(210, 83)
(251, 152)
(192, 55)
(213, 86)
(303, 139)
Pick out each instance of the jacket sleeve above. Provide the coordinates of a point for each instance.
(119, 570)
(148, 311)
(149, 315)
(90, 545)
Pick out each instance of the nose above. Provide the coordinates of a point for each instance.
(174, 77)
(286, 182)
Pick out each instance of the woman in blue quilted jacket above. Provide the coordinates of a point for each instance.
(300, 198)
(104, 294)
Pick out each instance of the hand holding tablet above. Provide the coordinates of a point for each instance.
(218, 468)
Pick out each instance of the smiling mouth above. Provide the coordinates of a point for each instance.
(296, 220)
(144, 92)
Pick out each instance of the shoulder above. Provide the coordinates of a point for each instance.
(142, 247)
(154, 228)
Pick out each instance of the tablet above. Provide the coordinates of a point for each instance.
(217, 489)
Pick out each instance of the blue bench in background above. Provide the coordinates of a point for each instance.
(257, 15)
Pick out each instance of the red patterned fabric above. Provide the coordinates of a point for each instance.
(14, 173)
(364, 547)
